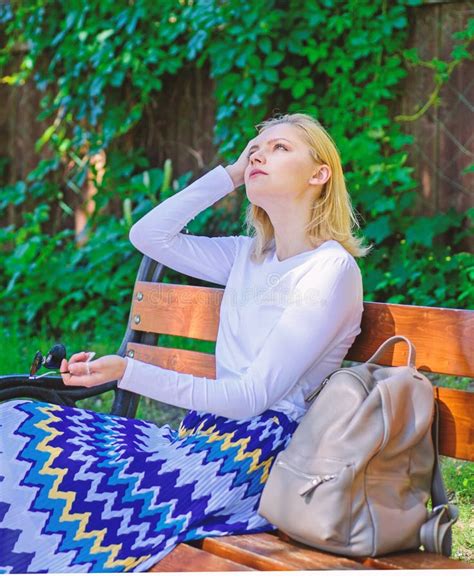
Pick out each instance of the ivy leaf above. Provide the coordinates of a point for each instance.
(459, 52)
(379, 229)
(196, 44)
(298, 89)
(266, 45)
(399, 22)
(411, 54)
(399, 140)
(384, 204)
(271, 75)
(45, 137)
(274, 59)
(424, 229)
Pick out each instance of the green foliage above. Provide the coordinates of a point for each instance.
(99, 64)
(57, 285)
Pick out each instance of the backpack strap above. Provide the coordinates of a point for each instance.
(391, 341)
(435, 533)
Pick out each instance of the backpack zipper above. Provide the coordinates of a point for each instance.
(357, 376)
(317, 391)
(314, 480)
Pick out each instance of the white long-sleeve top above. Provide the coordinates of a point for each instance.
(284, 325)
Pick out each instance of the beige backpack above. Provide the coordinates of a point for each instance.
(358, 471)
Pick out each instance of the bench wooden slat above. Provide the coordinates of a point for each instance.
(408, 559)
(182, 360)
(184, 310)
(186, 558)
(457, 426)
(415, 560)
(456, 435)
(264, 551)
(444, 338)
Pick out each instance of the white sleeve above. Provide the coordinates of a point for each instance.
(158, 236)
(327, 305)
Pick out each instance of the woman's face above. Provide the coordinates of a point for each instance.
(288, 170)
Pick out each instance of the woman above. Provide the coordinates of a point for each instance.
(85, 492)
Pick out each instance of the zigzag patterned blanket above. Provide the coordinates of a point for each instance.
(87, 492)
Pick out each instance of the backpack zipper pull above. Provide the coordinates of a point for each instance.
(312, 395)
(313, 484)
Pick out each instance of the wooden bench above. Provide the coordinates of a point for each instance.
(444, 341)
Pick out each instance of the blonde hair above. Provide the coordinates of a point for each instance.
(332, 215)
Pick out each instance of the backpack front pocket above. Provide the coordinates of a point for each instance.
(315, 504)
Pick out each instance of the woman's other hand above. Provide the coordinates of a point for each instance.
(237, 170)
(102, 370)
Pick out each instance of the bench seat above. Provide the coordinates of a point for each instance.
(187, 558)
(278, 552)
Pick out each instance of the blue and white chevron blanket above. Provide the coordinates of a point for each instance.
(82, 491)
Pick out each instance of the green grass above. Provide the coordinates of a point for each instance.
(17, 353)
(458, 476)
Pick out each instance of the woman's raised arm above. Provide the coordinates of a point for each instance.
(158, 235)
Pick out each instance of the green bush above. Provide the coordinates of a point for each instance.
(341, 62)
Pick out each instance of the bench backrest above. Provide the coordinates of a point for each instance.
(443, 338)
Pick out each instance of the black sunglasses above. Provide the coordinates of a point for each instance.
(52, 360)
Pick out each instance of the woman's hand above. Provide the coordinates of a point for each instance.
(237, 170)
(102, 370)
